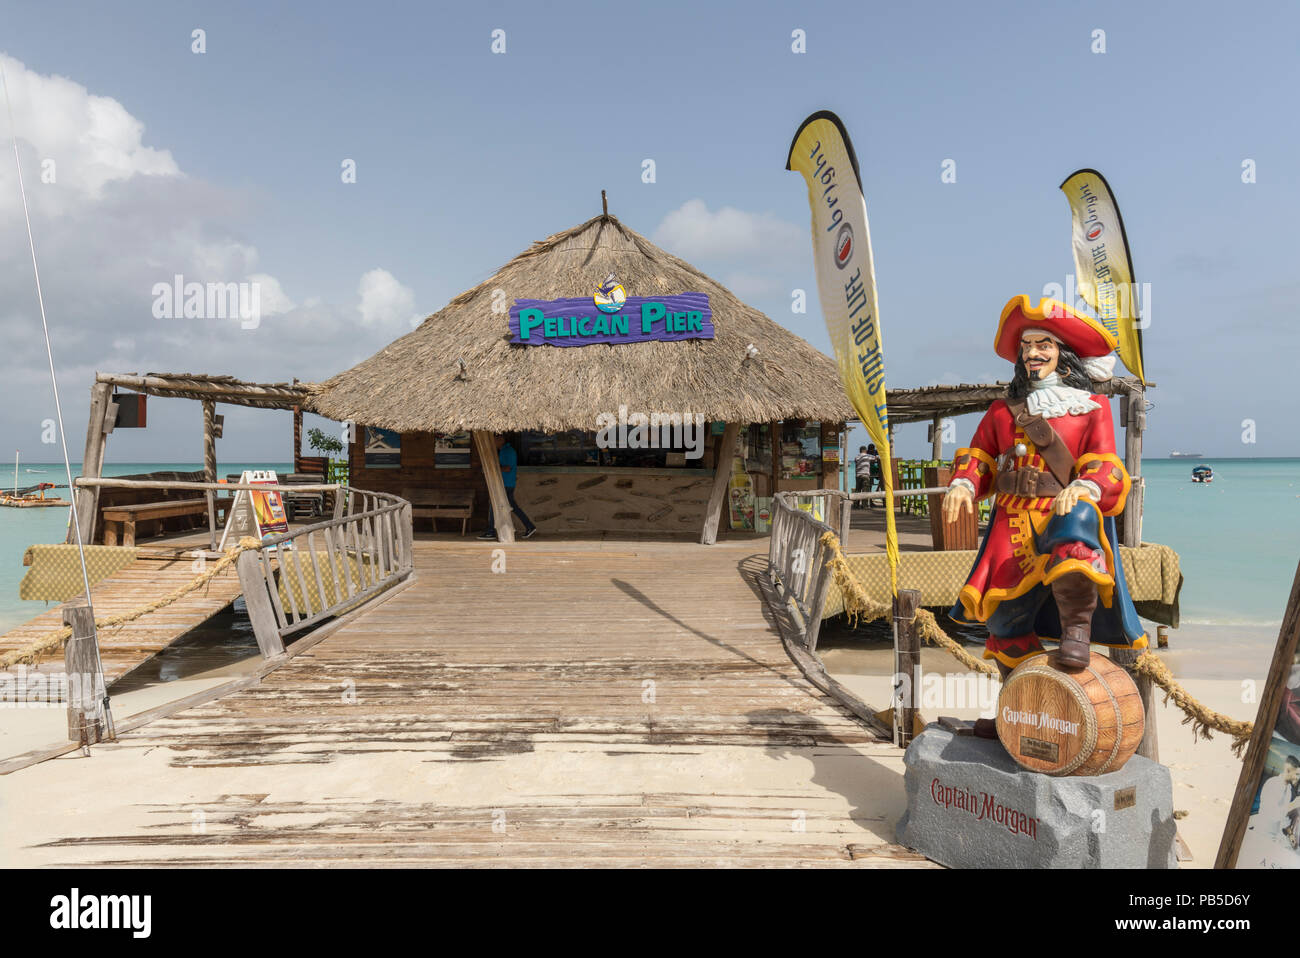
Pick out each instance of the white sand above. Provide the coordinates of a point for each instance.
(1204, 772)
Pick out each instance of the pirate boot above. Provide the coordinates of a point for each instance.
(1076, 598)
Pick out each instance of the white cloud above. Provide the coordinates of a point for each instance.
(118, 219)
(385, 301)
(92, 140)
(271, 297)
(694, 232)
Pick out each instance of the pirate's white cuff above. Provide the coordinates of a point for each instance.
(1088, 486)
(963, 481)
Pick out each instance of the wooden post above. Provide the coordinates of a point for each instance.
(210, 466)
(774, 430)
(846, 522)
(721, 476)
(1150, 745)
(92, 460)
(486, 445)
(87, 721)
(907, 664)
(297, 438)
(253, 582)
(1270, 704)
(936, 438)
(1135, 420)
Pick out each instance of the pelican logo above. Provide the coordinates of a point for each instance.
(1093, 232)
(844, 246)
(610, 295)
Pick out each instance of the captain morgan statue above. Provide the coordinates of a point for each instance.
(1048, 567)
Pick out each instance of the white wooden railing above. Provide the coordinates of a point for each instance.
(307, 575)
(797, 557)
(364, 550)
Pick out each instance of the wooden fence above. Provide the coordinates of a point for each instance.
(797, 556)
(326, 568)
(323, 569)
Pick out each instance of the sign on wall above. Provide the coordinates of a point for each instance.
(383, 448)
(583, 321)
(452, 451)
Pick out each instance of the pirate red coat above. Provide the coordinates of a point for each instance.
(1009, 565)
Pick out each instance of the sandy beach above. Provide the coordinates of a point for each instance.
(1215, 664)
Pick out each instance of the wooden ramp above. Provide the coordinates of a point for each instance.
(572, 703)
(139, 584)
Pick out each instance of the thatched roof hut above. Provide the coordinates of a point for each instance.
(417, 383)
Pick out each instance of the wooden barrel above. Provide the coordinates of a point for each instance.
(1070, 721)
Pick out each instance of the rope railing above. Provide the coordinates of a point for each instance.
(861, 607)
(53, 640)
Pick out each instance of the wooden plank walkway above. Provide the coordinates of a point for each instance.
(589, 703)
(142, 582)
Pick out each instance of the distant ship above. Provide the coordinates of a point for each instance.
(1186, 455)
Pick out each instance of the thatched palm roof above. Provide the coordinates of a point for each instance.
(416, 383)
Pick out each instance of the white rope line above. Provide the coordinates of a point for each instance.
(58, 407)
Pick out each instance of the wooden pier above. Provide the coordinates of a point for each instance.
(139, 584)
(584, 703)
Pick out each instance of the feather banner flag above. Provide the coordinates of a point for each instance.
(1102, 264)
(846, 284)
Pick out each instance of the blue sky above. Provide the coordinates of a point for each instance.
(226, 165)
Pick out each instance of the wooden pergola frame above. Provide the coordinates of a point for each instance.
(208, 390)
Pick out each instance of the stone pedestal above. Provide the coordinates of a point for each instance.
(970, 806)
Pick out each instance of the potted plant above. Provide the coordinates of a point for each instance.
(329, 446)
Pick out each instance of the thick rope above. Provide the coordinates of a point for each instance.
(1200, 717)
(859, 606)
(52, 640)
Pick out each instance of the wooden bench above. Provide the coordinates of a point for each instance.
(128, 516)
(435, 504)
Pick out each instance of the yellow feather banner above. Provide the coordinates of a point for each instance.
(846, 284)
(1102, 265)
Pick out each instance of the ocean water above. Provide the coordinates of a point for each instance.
(1238, 538)
(20, 528)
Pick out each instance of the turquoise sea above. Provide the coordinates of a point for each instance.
(20, 528)
(1238, 538)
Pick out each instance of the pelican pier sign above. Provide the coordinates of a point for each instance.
(582, 321)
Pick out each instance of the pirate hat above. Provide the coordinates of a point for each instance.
(1086, 336)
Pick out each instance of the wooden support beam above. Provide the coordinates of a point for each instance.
(1134, 419)
(210, 466)
(486, 446)
(721, 477)
(252, 571)
(1150, 744)
(87, 720)
(92, 462)
(907, 664)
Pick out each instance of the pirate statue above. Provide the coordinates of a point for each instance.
(1049, 564)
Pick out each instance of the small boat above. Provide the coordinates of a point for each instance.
(32, 497)
(1202, 473)
(1185, 455)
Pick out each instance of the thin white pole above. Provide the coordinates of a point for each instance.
(58, 408)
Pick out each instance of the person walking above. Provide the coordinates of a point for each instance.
(509, 460)
(866, 467)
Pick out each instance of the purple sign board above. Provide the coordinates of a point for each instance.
(578, 321)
